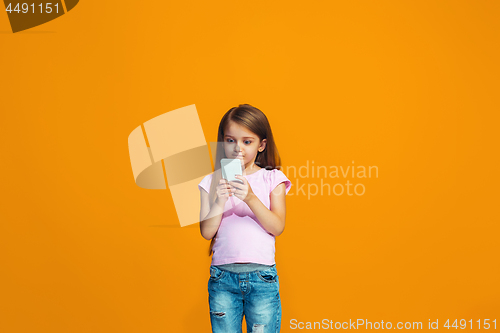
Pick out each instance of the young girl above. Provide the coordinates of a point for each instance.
(242, 221)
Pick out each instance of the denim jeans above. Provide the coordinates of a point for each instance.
(254, 295)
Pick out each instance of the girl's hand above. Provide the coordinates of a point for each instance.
(223, 192)
(241, 191)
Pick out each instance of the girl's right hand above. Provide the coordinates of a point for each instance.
(223, 192)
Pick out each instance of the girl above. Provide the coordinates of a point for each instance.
(242, 221)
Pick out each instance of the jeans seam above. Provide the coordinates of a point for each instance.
(278, 319)
(260, 277)
(219, 277)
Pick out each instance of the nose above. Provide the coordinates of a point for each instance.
(237, 148)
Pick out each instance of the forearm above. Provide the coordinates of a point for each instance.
(269, 220)
(210, 224)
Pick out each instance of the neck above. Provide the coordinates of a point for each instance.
(251, 167)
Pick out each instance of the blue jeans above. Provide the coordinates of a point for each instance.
(254, 294)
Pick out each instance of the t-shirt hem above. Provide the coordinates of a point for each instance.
(236, 260)
(288, 185)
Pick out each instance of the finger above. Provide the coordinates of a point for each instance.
(235, 188)
(237, 185)
(243, 179)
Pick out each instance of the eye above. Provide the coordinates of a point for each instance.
(247, 142)
(229, 140)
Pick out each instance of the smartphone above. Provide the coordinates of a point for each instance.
(230, 168)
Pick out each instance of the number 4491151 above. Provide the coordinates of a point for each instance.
(31, 8)
(485, 324)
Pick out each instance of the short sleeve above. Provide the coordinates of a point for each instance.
(277, 177)
(205, 183)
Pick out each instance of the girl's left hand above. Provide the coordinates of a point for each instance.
(241, 191)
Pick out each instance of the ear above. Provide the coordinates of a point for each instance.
(262, 145)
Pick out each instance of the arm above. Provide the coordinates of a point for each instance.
(273, 219)
(210, 217)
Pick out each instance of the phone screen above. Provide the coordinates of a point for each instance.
(231, 168)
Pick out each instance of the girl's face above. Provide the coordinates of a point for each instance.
(240, 143)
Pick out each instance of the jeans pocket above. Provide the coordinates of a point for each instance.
(269, 275)
(216, 273)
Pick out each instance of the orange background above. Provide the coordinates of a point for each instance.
(411, 87)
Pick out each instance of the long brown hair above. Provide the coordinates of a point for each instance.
(255, 121)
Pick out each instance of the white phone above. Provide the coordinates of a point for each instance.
(230, 168)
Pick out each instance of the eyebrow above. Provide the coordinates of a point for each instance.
(245, 137)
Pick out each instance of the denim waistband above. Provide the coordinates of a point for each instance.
(244, 268)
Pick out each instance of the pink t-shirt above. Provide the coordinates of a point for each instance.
(241, 237)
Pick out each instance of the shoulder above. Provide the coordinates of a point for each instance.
(274, 173)
(274, 177)
(207, 177)
(205, 183)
